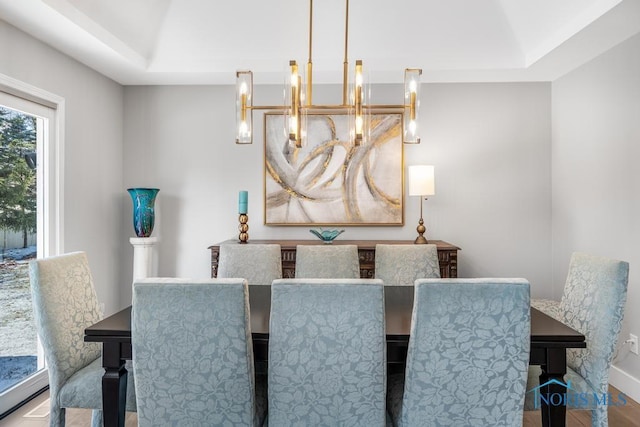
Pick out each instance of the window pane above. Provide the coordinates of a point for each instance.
(18, 240)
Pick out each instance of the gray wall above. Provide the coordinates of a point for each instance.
(93, 191)
(490, 144)
(596, 178)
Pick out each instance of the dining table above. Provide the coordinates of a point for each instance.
(549, 340)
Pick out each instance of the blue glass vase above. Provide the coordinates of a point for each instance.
(143, 210)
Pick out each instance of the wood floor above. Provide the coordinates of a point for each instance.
(27, 416)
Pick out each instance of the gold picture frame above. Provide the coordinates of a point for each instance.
(329, 181)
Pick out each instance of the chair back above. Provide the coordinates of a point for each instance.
(593, 304)
(403, 264)
(64, 304)
(260, 264)
(468, 353)
(192, 352)
(327, 360)
(327, 262)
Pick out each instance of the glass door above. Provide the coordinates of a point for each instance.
(25, 127)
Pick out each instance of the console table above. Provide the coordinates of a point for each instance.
(447, 254)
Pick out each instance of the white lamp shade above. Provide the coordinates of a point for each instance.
(421, 181)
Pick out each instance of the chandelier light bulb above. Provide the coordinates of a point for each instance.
(244, 129)
(359, 123)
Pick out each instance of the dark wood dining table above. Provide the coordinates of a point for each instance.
(549, 341)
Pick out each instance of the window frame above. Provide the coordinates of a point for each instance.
(48, 107)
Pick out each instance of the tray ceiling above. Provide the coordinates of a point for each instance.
(205, 42)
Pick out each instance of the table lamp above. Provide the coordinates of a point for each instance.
(421, 183)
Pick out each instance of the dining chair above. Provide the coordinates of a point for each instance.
(64, 304)
(327, 262)
(260, 264)
(327, 359)
(467, 357)
(592, 303)
(403, 264)
(193, 354)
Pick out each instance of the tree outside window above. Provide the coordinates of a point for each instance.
(18, 193)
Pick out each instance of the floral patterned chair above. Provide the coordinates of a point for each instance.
(403, 264)
(593, 304)
(259, 264)
(327, 359)
(468, 355)
(327, 262)
(64, 304)
(193, 354)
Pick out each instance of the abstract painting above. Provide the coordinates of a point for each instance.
(329, 180)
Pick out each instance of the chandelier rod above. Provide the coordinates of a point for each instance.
(309, 90)
(345, 69)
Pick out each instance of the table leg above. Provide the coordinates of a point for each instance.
(554, 414)
(114, 385)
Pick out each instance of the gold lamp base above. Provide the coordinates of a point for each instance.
(421, 240)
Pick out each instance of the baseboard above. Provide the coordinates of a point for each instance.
(624, 382)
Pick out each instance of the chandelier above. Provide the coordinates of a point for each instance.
(298, 97)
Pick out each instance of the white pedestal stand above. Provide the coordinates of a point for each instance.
(145, 263)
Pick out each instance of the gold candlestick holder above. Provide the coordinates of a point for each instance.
(243, 228)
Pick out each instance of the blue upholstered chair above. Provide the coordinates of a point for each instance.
(64, 304)
(468, 355)
(327, 262)
(259, 264)
(327, 359)
(403, 264)
(593, 304)
(193, 354)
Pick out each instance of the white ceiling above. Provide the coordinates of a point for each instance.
(206, 41)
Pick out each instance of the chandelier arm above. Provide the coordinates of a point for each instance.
(383, 106)
(268, 107)
(328, 107)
